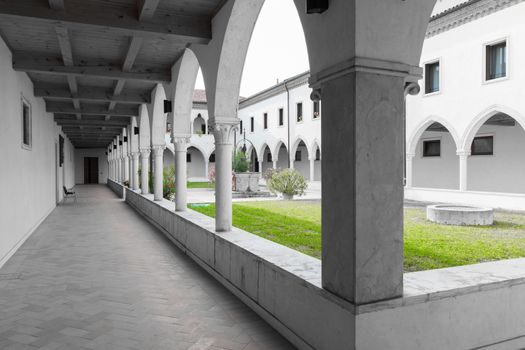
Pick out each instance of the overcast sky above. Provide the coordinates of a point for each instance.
(277, 49)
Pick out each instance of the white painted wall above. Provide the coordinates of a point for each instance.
(80, 154)
(437, 172)
(29, 177)
(465, 99)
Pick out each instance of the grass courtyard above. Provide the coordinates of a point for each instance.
(297, 224)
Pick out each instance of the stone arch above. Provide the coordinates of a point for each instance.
(184, 76)
(196, 164)
(157, 116)
(423, 126)
(296, 144)
(277, 147)
(262, 150)
(483, 117)
(144, 128)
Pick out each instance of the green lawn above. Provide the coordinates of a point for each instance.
(297, 225)
(201, 185)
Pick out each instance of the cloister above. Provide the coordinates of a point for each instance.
(113, 74)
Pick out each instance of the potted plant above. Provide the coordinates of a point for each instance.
(287, 182)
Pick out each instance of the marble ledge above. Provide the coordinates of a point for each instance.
(419, 287)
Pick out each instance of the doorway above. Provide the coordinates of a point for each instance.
(91, 170)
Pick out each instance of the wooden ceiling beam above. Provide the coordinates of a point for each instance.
(147, 9)
(59, 108)
(57, 92)
(109, 20)
(64, 43)
(27, 62)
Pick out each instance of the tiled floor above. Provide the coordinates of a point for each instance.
(95, 275)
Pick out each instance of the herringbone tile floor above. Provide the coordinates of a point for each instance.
(95, 275)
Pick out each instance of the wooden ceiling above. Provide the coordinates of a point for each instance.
(95, 61)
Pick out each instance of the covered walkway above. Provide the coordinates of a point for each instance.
(96, 275)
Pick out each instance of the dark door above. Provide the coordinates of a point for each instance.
(91, 170)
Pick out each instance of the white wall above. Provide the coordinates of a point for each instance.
(437, 172)
(29, 191)
(80, 154)
(505, 170)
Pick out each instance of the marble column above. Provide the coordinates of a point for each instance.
(126, 168)
(261, 168)
(362, 192)
(144, 171)
(119, 169)
(181, 150)
(223, 133)
(312, 169)
(463, 170)
(274, 164)
(409, 172)
(135, 171)
(158, 169)
(292, 163)
(206, 168)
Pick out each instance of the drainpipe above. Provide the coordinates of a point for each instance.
(288, 119)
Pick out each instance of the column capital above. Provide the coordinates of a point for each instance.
(410, 155)
(145, 151)
(223, 131)
(158, 149)
(135, 155)
(366, 65)
(463, 153)
(181, 143)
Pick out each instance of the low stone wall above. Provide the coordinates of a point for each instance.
(471, 307)
(117, 188)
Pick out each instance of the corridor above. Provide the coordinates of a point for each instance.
(96, 275)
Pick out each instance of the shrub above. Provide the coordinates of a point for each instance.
(288, 182)
(211, 174)
(269, 173)
(168, 178)
(240, 163)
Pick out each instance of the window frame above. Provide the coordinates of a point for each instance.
(265, 120)
(425, 77)
(507, 58)
(280, 115)
(484, 154)
(313, 110)
(431, 139)
(297, 112)
(252, 125)
(25, 102)
(300, 158)
(188, 157)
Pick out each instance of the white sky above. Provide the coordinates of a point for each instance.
(277, 49)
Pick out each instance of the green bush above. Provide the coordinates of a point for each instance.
(288, 182)
(240, 163)
(168, 187)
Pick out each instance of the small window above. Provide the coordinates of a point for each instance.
(252, 124)
(496, 61)
(188, 157)
(265, 116)
(431, 77)
(240, 128)
(269, 157)
(26, 125)
(281, 116)
(299, 112)
(483, 146)
(317, 111)
(203, 129)
(212, 158)
(298, 156)
(432, 148)
(318, 154)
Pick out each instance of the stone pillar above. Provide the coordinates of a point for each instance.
(362, 192)
(119, 170)
(292, 165)
(261, 168)
(135, 171)
(126, 168)
(158, 169)
(223, 133)
(181, 149)
(463, 170)
(206, 167)
(274, 164)
(144, 172)
(312, 169)
(409, 172)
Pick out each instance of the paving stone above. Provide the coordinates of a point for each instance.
(95, 275)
